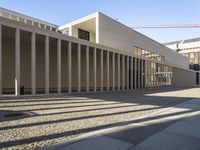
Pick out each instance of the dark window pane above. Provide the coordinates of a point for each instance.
(82, 34)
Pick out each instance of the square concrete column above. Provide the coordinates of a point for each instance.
(17, 62)
(102, 70)
(47, 65)
(150, 70)
(131, 73)
(79, 67)
(139, 73)
(0, 59)
(154, 75)
(108, 71)
(59, 66)
(33, 63)
(145, 73)
(95, 69)
(113, 70)
(69, 67)
(142, 75)
(127, 73)
(123, 72)
(158, 76)
(118, 65)
(135, 73)
(87, 69)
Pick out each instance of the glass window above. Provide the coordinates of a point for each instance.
(82, 34)
(196, 58)
(48, 27)
(21, 19)
(13, 17)
(42, 26)
(5, 14)
(36, 24)
(53, 29)
(191, 55)
(29, 22)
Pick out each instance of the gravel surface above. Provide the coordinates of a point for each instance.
(49, 120)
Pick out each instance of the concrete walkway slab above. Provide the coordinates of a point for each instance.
(94, 143)
(168, 141)
(175, 128)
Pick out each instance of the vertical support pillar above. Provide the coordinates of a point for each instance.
(145, 74)
(142, 75)
(150, 70)
(131, 73)
(158, 75)
(87, 69)
(118, 65)
(17, 62)
(69, 67)
(135, 74)
(102, 70)
(127, 73)
(46, 64)
(139, 74)
(95, 69)
(33, 63)
(108, 71)
(0, 59)
(113, 70)
(154, 81)
(79, 67)
(123, 72)
(59, 66)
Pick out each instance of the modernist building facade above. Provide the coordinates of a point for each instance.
(95, 53)
(189, 48)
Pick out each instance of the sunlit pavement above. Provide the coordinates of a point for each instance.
(39, 121)
(175, 128)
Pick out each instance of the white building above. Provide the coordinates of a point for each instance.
(95, 53)
(189, 48)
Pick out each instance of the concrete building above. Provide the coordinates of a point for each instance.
(191, 49)
(95, 53)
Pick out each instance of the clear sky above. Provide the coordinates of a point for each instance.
(129, 12)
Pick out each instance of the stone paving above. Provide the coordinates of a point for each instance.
(54, 119)
(173, 128)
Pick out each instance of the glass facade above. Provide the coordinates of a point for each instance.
(194, 57)
(158, 75)
(148, 54)
(154, 74)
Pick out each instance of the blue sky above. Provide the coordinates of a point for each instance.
(129, 12)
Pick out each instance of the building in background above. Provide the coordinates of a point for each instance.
(189, 48)
(94, 53)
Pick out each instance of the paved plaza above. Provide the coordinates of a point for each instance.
(175, 128)
(53, 119)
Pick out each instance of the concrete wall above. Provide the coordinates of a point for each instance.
(184, 77)
(119, 36)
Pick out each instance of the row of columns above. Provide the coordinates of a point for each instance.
(131, 78)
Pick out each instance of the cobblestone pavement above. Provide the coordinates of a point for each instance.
(54, 119)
